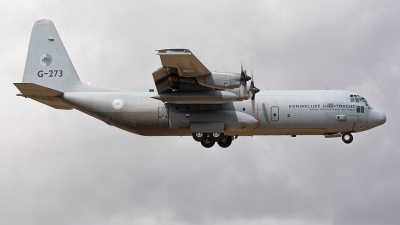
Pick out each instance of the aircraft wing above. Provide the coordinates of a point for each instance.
(178, 71)
(183, 61)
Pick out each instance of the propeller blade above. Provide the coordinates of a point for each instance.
(243, 75)
(253, 105)
(253, 90)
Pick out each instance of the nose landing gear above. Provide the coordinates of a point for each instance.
(347, 137)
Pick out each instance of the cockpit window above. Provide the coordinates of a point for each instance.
(364, 100)
(358, 99)
(354, 98)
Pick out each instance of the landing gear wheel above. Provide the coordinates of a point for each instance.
(225, 142)
(199, 136)
(216, 136)
(347, 137)
(207, 143)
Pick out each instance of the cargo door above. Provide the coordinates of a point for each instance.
(163, 117)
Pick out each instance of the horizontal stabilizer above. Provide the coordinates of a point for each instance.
(42, 94)
(31, 89)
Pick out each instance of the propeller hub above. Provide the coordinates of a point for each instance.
(245, 78)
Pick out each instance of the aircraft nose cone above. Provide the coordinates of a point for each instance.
(376, 118)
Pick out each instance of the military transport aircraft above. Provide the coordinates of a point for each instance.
(191, 100)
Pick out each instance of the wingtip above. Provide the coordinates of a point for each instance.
(173, 51)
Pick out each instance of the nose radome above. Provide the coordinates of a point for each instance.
(376, 118)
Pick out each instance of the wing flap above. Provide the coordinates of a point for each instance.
(179, 71)
(165, 82)
(160, 77)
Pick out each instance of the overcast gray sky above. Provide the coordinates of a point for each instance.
(64, 167)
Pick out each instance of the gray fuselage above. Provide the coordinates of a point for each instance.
(276, 113)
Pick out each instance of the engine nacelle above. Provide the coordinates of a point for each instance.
(220, 80)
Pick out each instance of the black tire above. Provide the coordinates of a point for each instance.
(207, 143)
(347, 138)
(199, 136)
(216, 136)
(225, 142)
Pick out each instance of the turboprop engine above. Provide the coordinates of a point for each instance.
(221, 81)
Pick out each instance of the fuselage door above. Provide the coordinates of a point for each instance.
(163, 117)
(274, 113)
(362, 118)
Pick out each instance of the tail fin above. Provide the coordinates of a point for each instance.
(48, 63)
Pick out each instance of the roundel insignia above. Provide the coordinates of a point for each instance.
(46, 59)
(117, 104)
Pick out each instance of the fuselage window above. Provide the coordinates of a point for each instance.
(360, 109)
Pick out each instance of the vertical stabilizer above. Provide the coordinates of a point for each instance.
(48, 63)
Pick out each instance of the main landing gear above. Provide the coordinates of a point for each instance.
(347, 137)
(208, 140)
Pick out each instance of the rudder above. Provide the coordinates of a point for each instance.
(48, 63)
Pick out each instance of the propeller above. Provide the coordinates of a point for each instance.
(253, 91)
(243, 80)
(243, 75)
